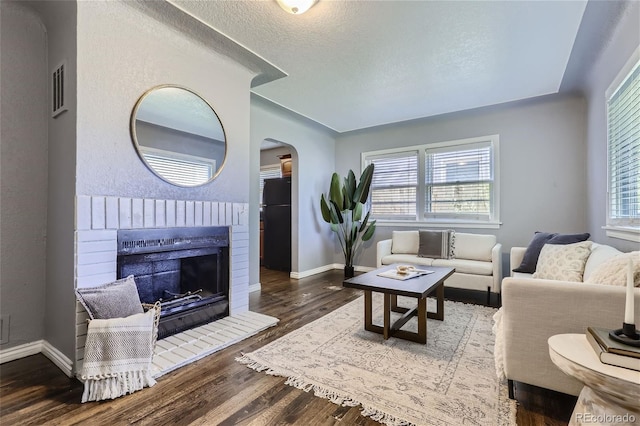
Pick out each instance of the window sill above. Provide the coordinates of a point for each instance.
(448, 224)
(623, 233)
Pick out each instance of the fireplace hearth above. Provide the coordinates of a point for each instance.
(185, 269)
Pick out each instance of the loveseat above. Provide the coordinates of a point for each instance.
(535, 309)
(476, 258)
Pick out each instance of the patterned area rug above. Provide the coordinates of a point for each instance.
(449, 381)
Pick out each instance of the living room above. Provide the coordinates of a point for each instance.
(552, 158)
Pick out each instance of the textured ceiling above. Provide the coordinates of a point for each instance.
(357, 64)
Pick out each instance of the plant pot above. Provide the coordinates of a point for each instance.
(348, 271)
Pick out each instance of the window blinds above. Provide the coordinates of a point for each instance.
(459, 181)
(268, 172)
(623, 110)
(179, 171)
(394, 186)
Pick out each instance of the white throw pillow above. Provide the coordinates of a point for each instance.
(405, 242)
(474, 246)
(614, 270)
(563, 262)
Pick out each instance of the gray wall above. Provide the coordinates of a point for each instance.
(313, 157)
(135, 54)
(622, 44)
(168, 139)
(269, 157)
(542, 157)
(23, 173)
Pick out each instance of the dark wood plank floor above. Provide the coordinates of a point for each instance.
(219, 390)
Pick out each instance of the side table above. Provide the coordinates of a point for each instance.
(611, 395)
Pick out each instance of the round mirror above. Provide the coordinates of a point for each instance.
(178, 136)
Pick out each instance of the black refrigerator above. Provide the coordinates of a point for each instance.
(276, 217)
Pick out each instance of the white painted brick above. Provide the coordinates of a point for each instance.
(189, 213)
(96, 235)
(228, 214)
(206, 213)
(83, 212)
(95, 280)
(171, 213)
(161, 214)
(96, 246)
(125, 213)
(99, 257)
(215, 214)
(112, 213)
(95, 269)
(181, 213)
(98, 213)
(137, 213)
(149, 207)
(197, 210)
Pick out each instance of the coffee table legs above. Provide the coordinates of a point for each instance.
(391, 304)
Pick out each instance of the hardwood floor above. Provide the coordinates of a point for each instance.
(217, 390)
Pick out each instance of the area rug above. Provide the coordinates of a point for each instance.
(449, 381)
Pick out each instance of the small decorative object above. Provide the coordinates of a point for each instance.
(628, 334)
(343, 208)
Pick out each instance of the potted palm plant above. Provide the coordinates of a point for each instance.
(343, 208)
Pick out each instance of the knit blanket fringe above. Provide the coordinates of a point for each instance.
(114, 385)
(319, 391)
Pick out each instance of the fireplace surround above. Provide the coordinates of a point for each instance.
(100, 218)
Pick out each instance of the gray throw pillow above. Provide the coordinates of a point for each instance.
(118, 299)
(436, 244)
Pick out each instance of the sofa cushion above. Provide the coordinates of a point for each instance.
(465, 266)
(600, 253)
(563, 262)
(405, 242)
(530, 259)
(613, 271)
(406, 258)
(436, 244)
(474, 246)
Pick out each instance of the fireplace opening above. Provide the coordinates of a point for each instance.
(185, 269)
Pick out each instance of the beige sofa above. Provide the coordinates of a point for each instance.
(535, 309)
(477, 259)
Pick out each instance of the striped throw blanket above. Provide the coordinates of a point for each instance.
(118, 354)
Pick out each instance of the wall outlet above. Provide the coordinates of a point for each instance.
(4, 329)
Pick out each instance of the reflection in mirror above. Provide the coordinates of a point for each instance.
(178, 136)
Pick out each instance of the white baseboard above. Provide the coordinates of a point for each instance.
(325, 268)
(255, 287)
(21, 351)
(58, 358)
(33, 348)
(308, 273)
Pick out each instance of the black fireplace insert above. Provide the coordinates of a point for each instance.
(185, 269)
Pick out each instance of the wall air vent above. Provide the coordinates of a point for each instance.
(58, 83)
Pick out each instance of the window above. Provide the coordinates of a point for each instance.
(623, 152)
(180, 169)
(451, 182)
(394, 185)
(268, 172)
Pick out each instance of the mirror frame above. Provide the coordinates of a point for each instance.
(138, 147)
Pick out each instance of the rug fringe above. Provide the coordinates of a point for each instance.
(319, 391)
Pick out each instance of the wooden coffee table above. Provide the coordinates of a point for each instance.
(419, 287)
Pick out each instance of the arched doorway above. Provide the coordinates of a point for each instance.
(278, 206)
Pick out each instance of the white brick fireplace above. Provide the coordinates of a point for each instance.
(98, 219)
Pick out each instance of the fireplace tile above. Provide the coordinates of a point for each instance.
(125, 221)
(112, 213)
(137, 213)
(181, 217)
(171, 213)
(149, 208)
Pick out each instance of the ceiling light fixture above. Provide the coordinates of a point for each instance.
(296, 7)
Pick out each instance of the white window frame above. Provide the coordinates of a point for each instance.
(461, 222)
(621, 228)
